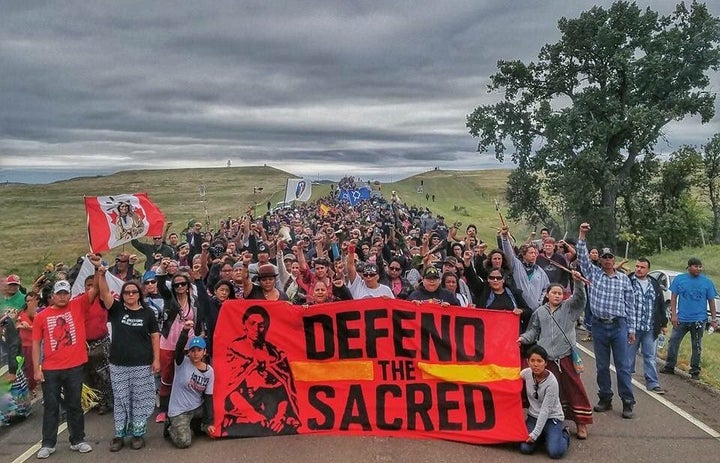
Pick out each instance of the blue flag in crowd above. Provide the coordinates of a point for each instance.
(354, 196)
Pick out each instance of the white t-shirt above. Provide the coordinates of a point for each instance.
(189, 387)
(359, 290)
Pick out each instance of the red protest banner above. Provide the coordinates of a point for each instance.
(367, 367)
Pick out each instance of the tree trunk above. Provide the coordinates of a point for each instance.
(715, 206)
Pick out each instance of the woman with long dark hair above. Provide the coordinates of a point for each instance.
(179, 305)
(545, 419)
(134, 359)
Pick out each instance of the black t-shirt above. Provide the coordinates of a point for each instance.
(257, 293)
(554, 273)
(501, 302)
(131, 335)
(441, 295)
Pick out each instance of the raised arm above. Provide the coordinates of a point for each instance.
(101, 284)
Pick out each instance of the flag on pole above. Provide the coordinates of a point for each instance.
(298, 189)
(324, 209)
(115, 220)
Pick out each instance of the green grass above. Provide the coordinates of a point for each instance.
(710, 362)
(47, 223)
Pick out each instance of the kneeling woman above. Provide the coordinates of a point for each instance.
(190, 409)
(545, 418)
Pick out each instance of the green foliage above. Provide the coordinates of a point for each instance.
(583, 120)
(665, 207)
(710, 182)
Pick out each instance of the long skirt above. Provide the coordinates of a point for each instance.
(134, 393)
(573, 397)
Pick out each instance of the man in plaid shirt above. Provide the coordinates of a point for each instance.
(613, 323)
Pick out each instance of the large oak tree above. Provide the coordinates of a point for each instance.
(583, 120)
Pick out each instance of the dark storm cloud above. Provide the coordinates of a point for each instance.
(314, 86)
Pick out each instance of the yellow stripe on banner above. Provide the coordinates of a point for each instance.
(343, 370)
(468, 373)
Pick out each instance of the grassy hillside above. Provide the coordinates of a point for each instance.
(46, 223)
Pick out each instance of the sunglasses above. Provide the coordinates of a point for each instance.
(123, 261)
(179, 284)
(151, 282)
(131, 292)
(495, 278)
(369, 275)
(536, 385)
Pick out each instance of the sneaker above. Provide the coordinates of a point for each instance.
(667, 370)
(627, 412)
(82, 447)
(161, 417)
(695, 376)
(603, 406)
(45, 452)
(116, 444)
(137, 443)
(658, 390)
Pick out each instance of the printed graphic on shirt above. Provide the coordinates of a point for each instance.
(198, 382)
(62, 331)
(129, 321)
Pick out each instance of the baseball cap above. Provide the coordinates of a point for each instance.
(61, 286)
(12, 280)
(289, 257)
(606, 252)
(149, 275)
(370, 268)
(262, 248)
(197, 342)
(691, 261)
(431, 273)
(450, 260)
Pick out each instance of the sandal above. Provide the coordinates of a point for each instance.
(587, 338)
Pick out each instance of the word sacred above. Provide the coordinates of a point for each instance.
(417, 407)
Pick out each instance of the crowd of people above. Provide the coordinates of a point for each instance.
(162, 325)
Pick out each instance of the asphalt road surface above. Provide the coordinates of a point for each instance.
(680, 426)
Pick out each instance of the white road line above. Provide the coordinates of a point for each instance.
(713, 433)
(32, 450)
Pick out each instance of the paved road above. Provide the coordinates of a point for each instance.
(657, 434)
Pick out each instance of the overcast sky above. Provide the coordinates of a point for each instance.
(317, 88)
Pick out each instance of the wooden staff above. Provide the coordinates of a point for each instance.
(562, 267)
(502, 220)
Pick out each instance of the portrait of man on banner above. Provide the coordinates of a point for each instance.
(262, 400)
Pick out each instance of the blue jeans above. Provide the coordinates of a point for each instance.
(612, 338)
(554, 435)
(678, 333)
(69, 382)
(587, 317)
(645, 341)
